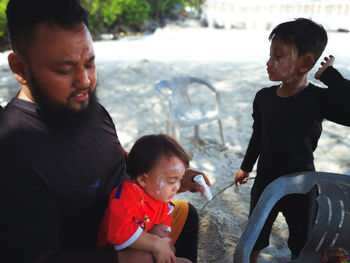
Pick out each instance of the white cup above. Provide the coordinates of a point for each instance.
(200, 180)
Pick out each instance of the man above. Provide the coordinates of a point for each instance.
(60, 155)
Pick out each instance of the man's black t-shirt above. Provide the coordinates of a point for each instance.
(55, 185)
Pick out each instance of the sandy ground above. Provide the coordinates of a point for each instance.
(234, 62)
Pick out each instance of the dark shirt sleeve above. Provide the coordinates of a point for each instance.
(337, 98)
(253, 149)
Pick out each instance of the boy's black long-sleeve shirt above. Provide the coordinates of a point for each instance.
(286, 130)
(54, 186)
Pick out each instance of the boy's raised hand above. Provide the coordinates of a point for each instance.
(241, 177)
(328, 61)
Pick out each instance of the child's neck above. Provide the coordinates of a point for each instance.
(293, 87)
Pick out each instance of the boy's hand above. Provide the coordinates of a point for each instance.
(328, 61)
(187, 183)
(241, 177)
(164, 252)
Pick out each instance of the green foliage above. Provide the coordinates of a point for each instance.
(102, 12)
(106, 13)
(3, 21)
(160, 7)
(135, 12)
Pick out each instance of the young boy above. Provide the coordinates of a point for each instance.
(156, 164)
(288, 123)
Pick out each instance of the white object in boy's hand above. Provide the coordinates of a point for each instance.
(200, 180)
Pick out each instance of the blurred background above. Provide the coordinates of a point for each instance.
(141, 42)
(112, 19)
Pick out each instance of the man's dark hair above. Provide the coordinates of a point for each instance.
(305, 34)
(24, 15)
(149, 149)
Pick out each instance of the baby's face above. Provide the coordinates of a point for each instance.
(283, 62)
(163, 181)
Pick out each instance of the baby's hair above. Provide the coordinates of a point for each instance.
(305, 34)
(149, 149)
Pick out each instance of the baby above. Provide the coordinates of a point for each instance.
(156, 165)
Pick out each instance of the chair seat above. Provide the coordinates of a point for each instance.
(194, 116)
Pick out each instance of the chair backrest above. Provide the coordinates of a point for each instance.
(332, 226)
(176, 92)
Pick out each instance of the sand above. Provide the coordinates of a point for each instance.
(234, 62)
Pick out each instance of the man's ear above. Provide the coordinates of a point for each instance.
(18, 67)
(308, 61)
(142, 179)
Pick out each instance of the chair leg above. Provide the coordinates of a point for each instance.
(176, 131)
(196, 131)
(221, 133)
(168, 127)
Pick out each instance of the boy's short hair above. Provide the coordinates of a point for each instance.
(24, 15)
(149, 149)
(303, 33)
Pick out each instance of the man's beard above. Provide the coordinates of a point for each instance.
(61, 116)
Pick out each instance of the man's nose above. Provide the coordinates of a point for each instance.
(81, 78)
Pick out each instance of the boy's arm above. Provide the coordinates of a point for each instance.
(253, 149)
(337, 99)
(327, 62)
(331, 77)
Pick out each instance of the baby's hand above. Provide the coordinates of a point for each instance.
(163, 252)
(328, 61)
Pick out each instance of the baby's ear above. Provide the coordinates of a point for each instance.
(308, 61)
(142, 179)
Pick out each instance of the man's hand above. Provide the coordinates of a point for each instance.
(241, 177)
(159, 230)
(328, 61)
(187, 183)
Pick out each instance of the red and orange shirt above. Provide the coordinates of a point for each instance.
(130, 212)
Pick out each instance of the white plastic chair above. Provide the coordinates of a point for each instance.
(332, 228)
(183, 111)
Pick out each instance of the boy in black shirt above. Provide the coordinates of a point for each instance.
(288, 123)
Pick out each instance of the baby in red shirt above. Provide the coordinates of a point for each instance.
(156, 165)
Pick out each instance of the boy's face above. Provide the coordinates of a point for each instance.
(283, 64)
(163, 181)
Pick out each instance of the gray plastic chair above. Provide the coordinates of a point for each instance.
(183, 111)
(332, 226)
